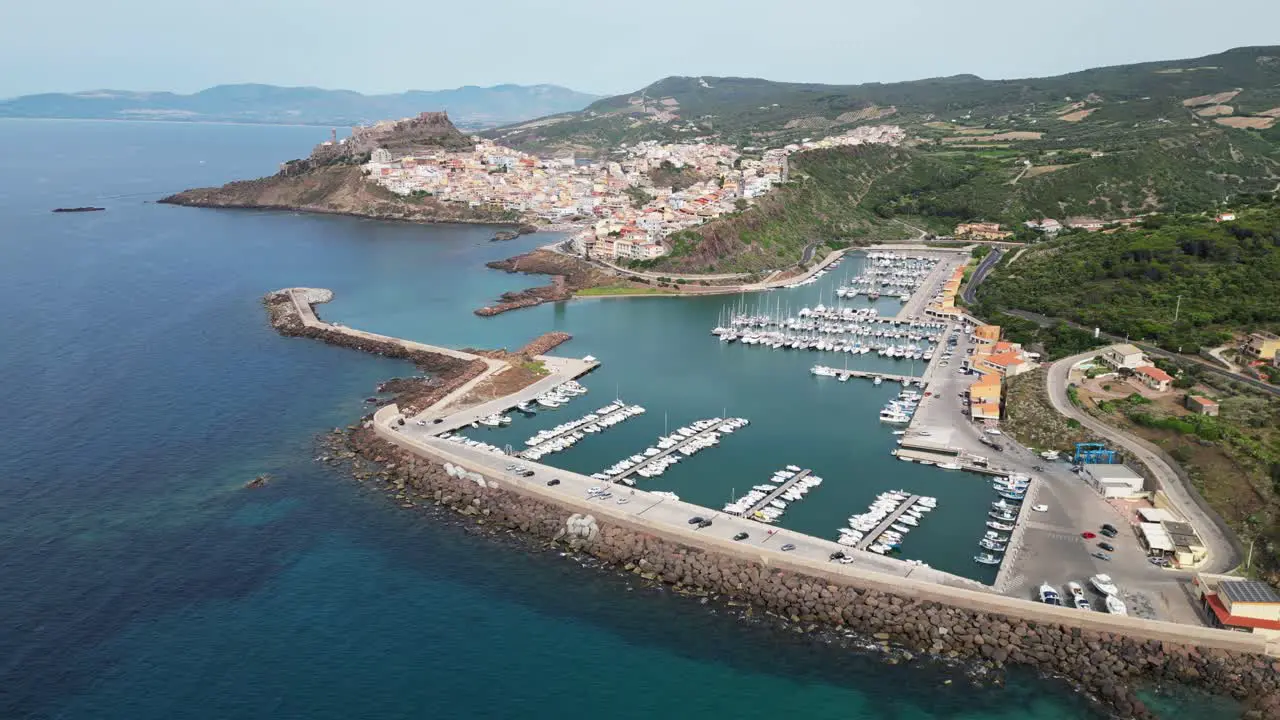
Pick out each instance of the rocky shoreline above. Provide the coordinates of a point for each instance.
(1106, 666)
(568, 275)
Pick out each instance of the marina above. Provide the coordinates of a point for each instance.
(669, 449)
(875, 534)
(564, 436)
(770, 504)
(878, 377)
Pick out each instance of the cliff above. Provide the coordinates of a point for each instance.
(331, 180)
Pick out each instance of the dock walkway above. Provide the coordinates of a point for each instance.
(777, 492)
(891, 377)
(632, 471)
(578, 425)
(875, 534)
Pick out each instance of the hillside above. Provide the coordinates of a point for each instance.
(470, 106)
(1218, 278)
(750, 110)
(331, 179)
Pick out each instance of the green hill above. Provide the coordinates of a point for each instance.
(1227, 276)
(1170, 136)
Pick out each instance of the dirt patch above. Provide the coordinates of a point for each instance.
(816, 122)
(1256, 123)
(1215, 99)
(871, 113)
(1273, 112)
(1046, 169)
(1215, 110)
(1078, 115)
(1032, 421)
(998, 137)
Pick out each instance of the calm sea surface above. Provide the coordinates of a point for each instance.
(142, 387)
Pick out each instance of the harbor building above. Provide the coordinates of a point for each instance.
(1241, 605)
(1113, 481)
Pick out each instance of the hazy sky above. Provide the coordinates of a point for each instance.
(600, 46)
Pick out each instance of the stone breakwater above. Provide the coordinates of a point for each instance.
(412, 394)
(568, 274)
(545, 343)
(1106, 666)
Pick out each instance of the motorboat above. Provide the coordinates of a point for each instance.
(949, 466)
(1115, 606)
(1016, 497)
(1049, 596)
(992, 545)
(986, 559)
(1104, 584)
(998, 525)
(1077, 596)
(996, 537)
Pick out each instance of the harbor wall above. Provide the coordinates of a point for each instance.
(1104, 655)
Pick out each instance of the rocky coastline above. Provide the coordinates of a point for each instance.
(1107, 667)
(568, 275)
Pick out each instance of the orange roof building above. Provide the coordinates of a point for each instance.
(985, 411)
(986, 333)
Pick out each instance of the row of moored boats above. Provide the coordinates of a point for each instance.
(1002, 518)
(685, 441)
(566, 435)
(793, 482)
(885, 505)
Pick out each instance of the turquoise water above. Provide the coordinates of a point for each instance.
(139, 579)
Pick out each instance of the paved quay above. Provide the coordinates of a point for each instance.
(932, 284)
(639, 511)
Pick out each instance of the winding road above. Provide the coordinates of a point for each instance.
(1224, 550)
(980, 274)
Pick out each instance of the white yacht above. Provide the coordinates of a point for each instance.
(1104, 584)
(1048, 595)
(1115, 606)
(1077, 596)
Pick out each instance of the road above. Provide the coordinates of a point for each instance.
(1224, 551)
(1045, 321)
(984, 268)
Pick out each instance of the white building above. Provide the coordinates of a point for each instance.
(1113, 481)
(1124, 355)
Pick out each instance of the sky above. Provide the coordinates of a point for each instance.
(599, 46)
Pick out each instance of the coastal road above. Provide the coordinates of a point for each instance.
(1046, 321)
(1224, 552)
(980, 274)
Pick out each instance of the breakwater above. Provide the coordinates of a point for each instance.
(291, 313)
(1107, 665)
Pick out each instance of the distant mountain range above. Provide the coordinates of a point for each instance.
(469, 107)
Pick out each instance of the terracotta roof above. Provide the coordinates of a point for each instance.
(1227, 618)
(1154, 373)
(1005, 359)
(1204, 400)
(985, 410)
(988, 379)
(1003, 346)
(987, 332)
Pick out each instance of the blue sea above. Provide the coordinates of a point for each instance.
(142, 388)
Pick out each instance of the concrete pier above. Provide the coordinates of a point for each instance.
(632, 471)
(777, 492)
(875, 534)
(575, 427)
(843, 375)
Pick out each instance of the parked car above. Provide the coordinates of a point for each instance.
(1088, 535)
(705, 524)
(1107, 546)
(837, 555)
(1108, 526)
(437, 421)
(696, 519)
(1102, 556)
(526, 473)
(741, 536)
(788, 547)
(553, 481)
(1109, 533)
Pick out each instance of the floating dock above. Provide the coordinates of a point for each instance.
(576, 426)
(777, 493)
(875, 534)
(870, 375)
(716, 423)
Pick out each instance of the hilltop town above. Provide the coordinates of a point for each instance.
(622, 208)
